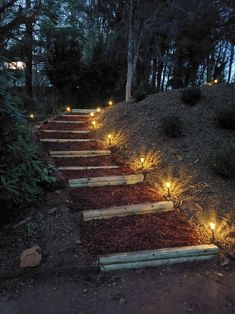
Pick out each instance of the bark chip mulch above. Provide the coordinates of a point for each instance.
(67, 118)
(91, 145)
(64, 126)
(108, 196)
(66, 135)
(76, 174)
(134, 233)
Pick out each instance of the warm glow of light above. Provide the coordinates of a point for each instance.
(110, 139)
(216, 81)
(94, 124)
(168, 185)
(92, 114)
(212, 225)
(98, 109)
(68, 109)
(110, 103)
(142, 160)
(32, 116)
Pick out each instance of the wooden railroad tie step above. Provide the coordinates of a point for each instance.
(109, 180)
(66, 140)
(83, 111)
(66, 122)
(160, 257)
(80, 153)
(88, 168)
(137, 209)
(65, 131)
(76, 115)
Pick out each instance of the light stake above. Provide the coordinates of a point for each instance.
(110, 103)
(168, 186)
(110, 139)
(68, 109)
(216, 81)
(212, 226)
(32, 116)
(92, 114)
(142, 162)
(94, 124)
(98, 109)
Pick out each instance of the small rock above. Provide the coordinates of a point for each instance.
(52, 211)
(31, 257)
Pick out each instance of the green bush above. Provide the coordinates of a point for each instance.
(191, 95)
(226, 118)
(172, 126)
(223, 161)
(22, 174)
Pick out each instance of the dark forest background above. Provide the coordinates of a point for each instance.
(84, 52)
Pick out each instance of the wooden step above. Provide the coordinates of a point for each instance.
(88, 168)
(83, 111)
(153, 258)
(76, 115)
(65, 131)
(66, 122)
(109, 180)
(120, 211)
(66, 140)
(80, 153)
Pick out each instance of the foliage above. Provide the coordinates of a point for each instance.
(172, 125)
(22, 174)
(142, 91)
(226, 118)
(191, 95)
(223, 161)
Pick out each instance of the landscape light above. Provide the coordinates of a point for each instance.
(98, 109)
(68, 109)
(110, 103)
(110, 139)
(94, 124)
(32, 115)
(92, 114)
(212, 226)
(216, 81)
(142, 162)
(168, 186)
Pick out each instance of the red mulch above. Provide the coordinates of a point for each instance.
(64, 118)
(134, 233)
(112, 160)
(63, 126)
(77, 161)
(93, 145)
(108, 196)
(65, 135)
(75, 174)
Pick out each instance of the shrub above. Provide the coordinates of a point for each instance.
(142, 91)
(172, 126)
(223, 161)
(22, 174)
(191, 95)
(226, 118)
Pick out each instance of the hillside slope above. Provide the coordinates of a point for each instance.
(182, 159)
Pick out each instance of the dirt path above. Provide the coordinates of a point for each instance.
(154, 291)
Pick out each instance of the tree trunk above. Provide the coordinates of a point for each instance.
(159, 75)
(29, 54)
(231, 59)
